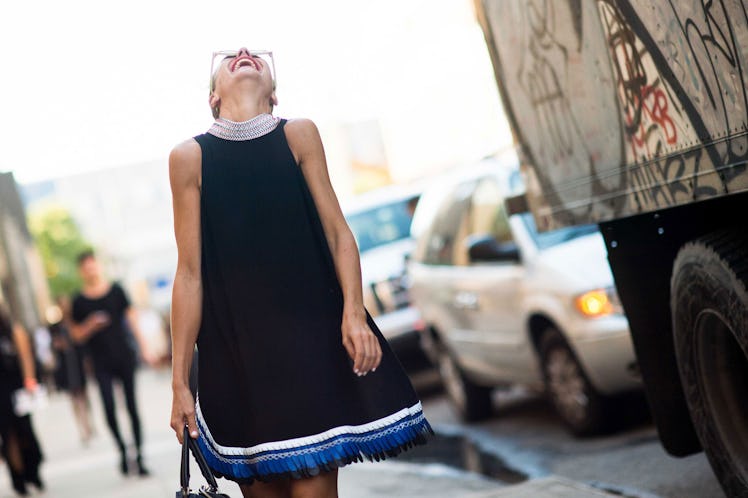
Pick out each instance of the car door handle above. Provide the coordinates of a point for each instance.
(466, 300)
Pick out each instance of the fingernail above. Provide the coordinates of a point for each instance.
(194, 433)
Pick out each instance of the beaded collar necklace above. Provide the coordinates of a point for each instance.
(258, 126)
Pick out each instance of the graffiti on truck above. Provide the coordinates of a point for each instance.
(624, 106)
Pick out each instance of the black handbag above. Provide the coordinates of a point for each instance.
(209, 491)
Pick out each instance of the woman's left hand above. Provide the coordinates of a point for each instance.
(361, 343)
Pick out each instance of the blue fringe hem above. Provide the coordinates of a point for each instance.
(315, 458)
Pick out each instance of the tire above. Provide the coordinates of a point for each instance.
(471, 401)
(574, 399)
(709, 305)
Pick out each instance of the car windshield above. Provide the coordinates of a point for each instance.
(551, 238)
(382, 225)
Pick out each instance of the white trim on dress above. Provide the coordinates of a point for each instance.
(295, 443)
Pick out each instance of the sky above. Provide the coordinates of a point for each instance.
(90, 84)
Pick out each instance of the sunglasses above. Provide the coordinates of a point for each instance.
(222, 55)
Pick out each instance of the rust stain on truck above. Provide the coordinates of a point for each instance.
(622, 107)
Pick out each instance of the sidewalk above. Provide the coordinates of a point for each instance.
(74, 471)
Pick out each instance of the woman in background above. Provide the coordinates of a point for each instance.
(70, 374)
(20, 448)
(104, 321)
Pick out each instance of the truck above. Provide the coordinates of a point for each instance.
(633, 114)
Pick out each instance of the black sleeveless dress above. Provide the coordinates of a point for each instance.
(277, 395)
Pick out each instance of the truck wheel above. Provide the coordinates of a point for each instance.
(573, 397)
(709, 305)
(472, 401)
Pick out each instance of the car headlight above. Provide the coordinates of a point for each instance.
(599, 302)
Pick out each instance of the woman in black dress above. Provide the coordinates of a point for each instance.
(295, 379)
(20, 448)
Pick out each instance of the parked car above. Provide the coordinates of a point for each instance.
(380, 220)
(504, 304)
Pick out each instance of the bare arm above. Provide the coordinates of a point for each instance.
(25, 355)
(187, 295)
(80, 332)
(358, 339)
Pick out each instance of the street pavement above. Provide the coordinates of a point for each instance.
(526, 435)
(72, 470)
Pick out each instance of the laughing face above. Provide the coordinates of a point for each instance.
(242, 73)
(245, 60)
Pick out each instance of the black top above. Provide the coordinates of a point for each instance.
(112, 346)
(11, 378)
(10, 366)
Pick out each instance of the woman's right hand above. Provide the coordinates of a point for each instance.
(97, 321)
(183, 412)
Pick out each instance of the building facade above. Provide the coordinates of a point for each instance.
(125, 213)
(23, 285)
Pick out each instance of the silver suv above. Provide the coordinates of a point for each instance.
(380, 221)
(504, 304)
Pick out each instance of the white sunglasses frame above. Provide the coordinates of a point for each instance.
(234, 53)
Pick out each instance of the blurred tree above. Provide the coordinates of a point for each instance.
(60, 242)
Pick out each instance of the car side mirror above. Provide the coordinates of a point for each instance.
(484, 248)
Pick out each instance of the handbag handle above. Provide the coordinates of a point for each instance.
(190, 445)
(184, 468)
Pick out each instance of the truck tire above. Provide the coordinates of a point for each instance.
(709, 305)
(471, 401)
(573, 396)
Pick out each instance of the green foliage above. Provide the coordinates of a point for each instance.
(59, 241)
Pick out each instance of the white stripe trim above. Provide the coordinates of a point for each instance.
(319, 448)
(289, 444)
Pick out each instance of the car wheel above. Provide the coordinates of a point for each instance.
(574, 398)
(709, 304)
(472, 401)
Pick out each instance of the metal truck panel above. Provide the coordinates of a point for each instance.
(622, 107)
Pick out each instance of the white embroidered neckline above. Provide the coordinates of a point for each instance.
(260, 125)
